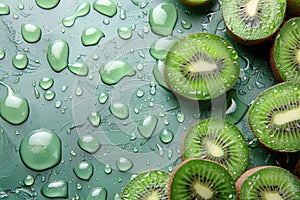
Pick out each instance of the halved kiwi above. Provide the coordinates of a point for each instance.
(147, 185)
(285, 54)
(268, 183)
(195, 2)
(252, 21)
(293, 8)
(217, 140)
(201, 66)
(201, 179)
(274, 117)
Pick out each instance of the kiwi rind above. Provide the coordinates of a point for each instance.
(195, 2)
(183, 57)
(225, 134)
(152, 179)
(251, 35)
(282, 56)
(268, 177)
(293, 8)
(192, 168)
(275, 97)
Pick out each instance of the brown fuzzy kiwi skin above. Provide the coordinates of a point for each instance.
(195, 3)
(297, 170)
(293, 8)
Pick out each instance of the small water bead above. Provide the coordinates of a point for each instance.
(105, 7)
(124, 164)
(20, 61)
(82, 10)
(56, 189)
(89, 143)
(4, 9)
(107, 169)
(84, 170)
(170, 153)
(144, 4)
(58, 104)
(2, 54)
(31, 33)
(166, 136)
(47, 4)
(147, 125)
(46, 83)
(80, 69)
(91, 36)
(119, 110)
(185, 24)
(28, 180)
(180, 117)
(49, 95)
(58, 55)
(95, 119)
(159, 47)
(124, 33)
(140, 93)
(40, 149)
(98, 193)
(36, 93)
(122, 14)
(20, 6)
(102, 98)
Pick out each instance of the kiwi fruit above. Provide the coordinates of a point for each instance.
(197, 179)
(293, 8)
(217, 140)
(201, 66)
(268, 183)
(274, 117)
(251, 22)
(146, 186)
(285, 53)
(195, 2)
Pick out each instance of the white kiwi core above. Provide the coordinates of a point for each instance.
(252, 7)
(282, 118)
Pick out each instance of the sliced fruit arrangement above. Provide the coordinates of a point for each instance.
(253, 21)
(293, 8)
(268, 183)
(201, 66)
(274, 117)
(285, 54)
(217, 140)
(195, 2)
(147, 185)
(201, 179)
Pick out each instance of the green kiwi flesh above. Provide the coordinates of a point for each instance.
(253, 21)
(219, 141)
(270, 183)
(195, 2)
(147, 185)
(285, 54)
(274, 117)
(201, 179)
(201, 66)
(293, 8)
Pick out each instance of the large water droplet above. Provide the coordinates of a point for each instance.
(4, 9)
(49, 95)
(147, 126)
(89, 143)
(40, 149)
(80, 69)
(124, 164)
(91, 36)
(158, 49)
(113, 71)
(162, 19)
(124, 33)
(56, 189)
(58, 55)
(47, 4)
(31, 33)
(98, 193)
(166, 136)
(82, 10)
(94, 119)
(20, 61)
(158, 72)
(84, 170)
(105, 7)
(46, 83)
(120, 110)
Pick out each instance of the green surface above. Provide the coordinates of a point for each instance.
(78, 97)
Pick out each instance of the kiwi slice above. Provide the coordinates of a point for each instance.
(195, 2)
(293, 8)
(274, 117)
(268, 183)
(147, 185)
(285, 54)
(198, 179)
(252, 21)
(217, 140)
(201, 66)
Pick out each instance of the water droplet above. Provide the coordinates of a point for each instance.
(119, 110)
(185, 24)
(56, 189)
(146, 126)
(13, 107)
(170, 153)
(49, 95)
(31, 33)
(4, 9)
(102, 98)
(107, 169)
(46, 83)
(105, 7)
(162, 19)
(47, 4)
(113, 71)
(158, 49)
(84, 170)
(124, 164)
(166, 136)
(91, 36)
(80, 69)
(98, 193)
(180, 117)
(58, 104)
(124, 33)
(82, 10)
(20, 61)
(236, 108)
(94, 119)
(2, 54)
(122, 14)
(40, 149)
(89, 143)
(58, 55)
(28, 180)
(106, 21)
